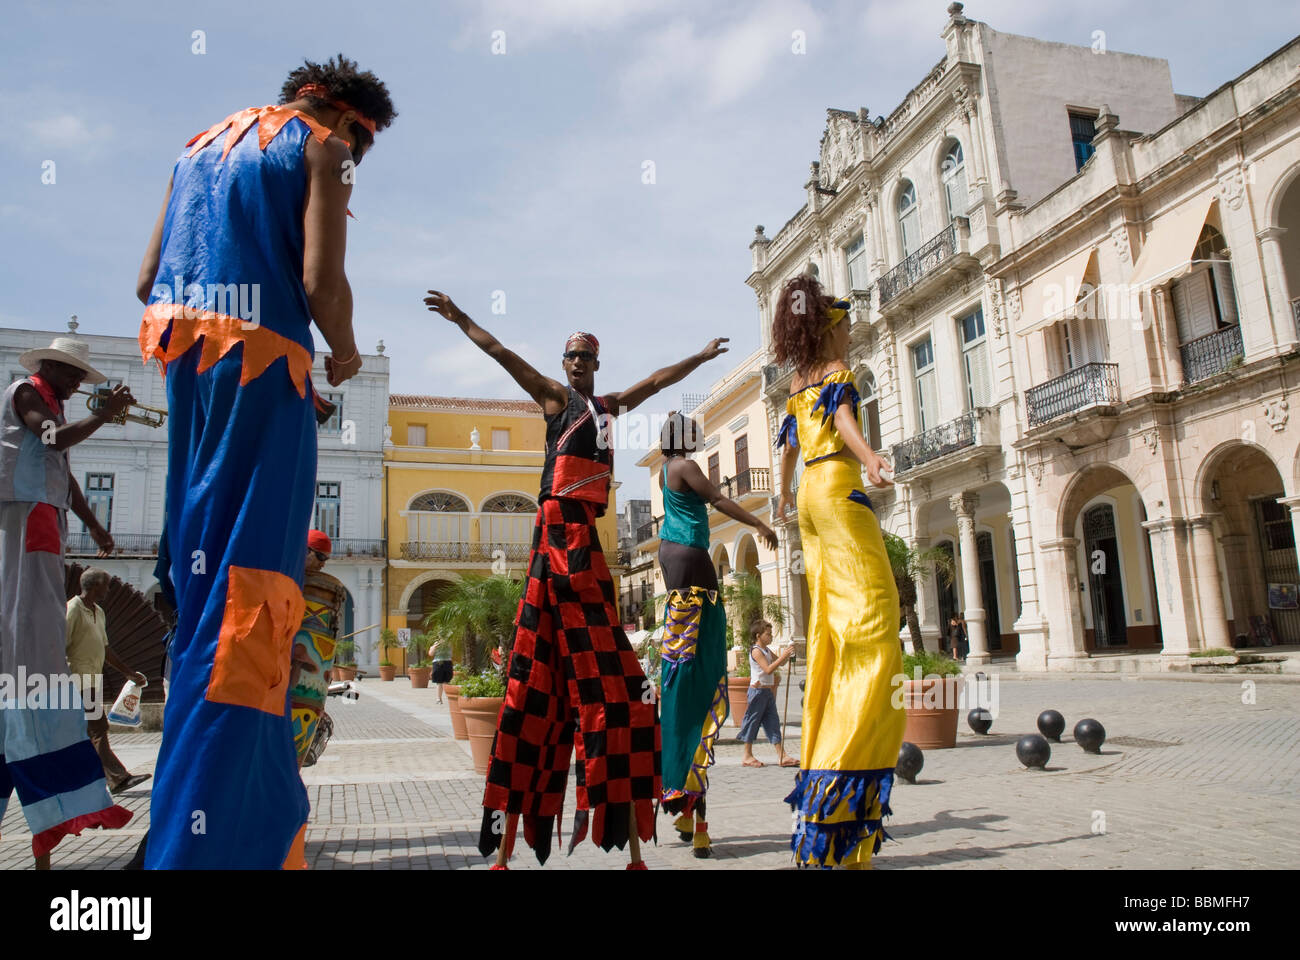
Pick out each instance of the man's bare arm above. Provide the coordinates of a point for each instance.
(149, 267)
(39, 419)
(550, 394)
(325, 235)
(665, 377)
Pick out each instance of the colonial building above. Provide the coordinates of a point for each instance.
(123, 470)
(737, 458)
(461, 478)
(946, 223)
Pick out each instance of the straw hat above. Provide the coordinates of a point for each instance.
(75, 353)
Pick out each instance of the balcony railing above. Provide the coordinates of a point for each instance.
(124, 545)
(916, 266)
(753, 480)
(1085, 386)
(1295, 313)
(937, 442)
(1211, 354)
(464, 551)
(776, 375)
(648, 530)
(352, 547)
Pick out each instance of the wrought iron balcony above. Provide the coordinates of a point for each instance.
(1092, 384)
(777, 377)
(352, 547)
(648, 531)
(124, 545)
(1295, 313)
(752, 481)
(464, 551)
(939, 442)
(1213, 353)
(935, 253)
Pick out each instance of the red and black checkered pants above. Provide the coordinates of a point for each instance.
(573, 682)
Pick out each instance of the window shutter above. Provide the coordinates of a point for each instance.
(1192, 306)
(977, 375)
(928, 401)
(1227, 295)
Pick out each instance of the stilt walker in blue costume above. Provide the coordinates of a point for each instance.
(694, 664)
(246, 253)
(851, 728)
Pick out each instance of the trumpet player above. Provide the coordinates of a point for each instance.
(45, 752)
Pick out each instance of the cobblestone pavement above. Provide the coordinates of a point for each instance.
(1190, 777)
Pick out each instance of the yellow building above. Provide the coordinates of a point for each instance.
(461, 478)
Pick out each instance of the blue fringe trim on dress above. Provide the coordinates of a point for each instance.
(818, 794)
(789, 432)
(832, 395)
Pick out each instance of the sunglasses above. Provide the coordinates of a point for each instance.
(579, 355)
(322, 557)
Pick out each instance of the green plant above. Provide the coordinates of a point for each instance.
(746, 603)
(1214, 652)
(931, 665)
(742, 664)
(474, 614)
(345, 653)
(912, 566)
(417, 650)
(489, 683)
(648, 613)
(387, 638)
(459, 675)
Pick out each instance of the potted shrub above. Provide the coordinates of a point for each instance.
(417, 655)
(387, 669)
(930, 701)
(345, 661)
(452, 692)
(912, 566)
(738, 687)
(481, 697)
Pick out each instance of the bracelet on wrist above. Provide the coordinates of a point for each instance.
(355, 351)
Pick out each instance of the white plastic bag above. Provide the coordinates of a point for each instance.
(126, 708)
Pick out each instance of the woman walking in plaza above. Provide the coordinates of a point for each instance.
(694, 665)
(851, 729)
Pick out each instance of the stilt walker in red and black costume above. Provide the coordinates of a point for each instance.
(574, 680)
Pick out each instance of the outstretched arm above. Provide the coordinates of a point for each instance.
(630, 399)
(550, 394)
(694, 477)
(851, 433)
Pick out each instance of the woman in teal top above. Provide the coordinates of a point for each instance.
(694, 665)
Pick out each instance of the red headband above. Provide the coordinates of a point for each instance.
(317, 90)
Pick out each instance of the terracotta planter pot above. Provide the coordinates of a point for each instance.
(480, 715)
(343, 673)
(737, 698)
(388, 672)
(452, 692)
(931, 707)
(419, 676)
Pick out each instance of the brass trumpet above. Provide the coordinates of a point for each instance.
(149, 416)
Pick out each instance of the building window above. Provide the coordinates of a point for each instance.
(500, 439)
(869, 410)
(1205, 300)
(99, 497)
(909, 218)
(509, 503)
(715, 477)
(927, 399)
(1082, 129)
(335, 422)
(953, 173)
(742, 465)
(440, 502)
(416, 435)
(975, 362)
(855, 256)
(328, 506)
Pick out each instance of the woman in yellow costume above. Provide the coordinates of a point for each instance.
(851, 730)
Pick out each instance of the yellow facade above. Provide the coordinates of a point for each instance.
(451, 509)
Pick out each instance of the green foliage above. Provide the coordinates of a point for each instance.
(912, 566)
(417, 649)
(1214, 652)
(489, 683)
(345, 653)
(931, 664)
(387, 638)
(746, 603)
(475, 614)
(742, 663)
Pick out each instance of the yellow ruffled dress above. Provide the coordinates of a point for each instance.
(852, 729)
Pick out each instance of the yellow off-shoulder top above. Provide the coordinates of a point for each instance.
(810, 416)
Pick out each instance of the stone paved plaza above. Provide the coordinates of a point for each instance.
(1190, 777)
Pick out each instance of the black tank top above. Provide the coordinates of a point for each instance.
(579, 466)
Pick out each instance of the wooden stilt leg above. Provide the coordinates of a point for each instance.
(507, 846)
(633, 841)
(43, 862)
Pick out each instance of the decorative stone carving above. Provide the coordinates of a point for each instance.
(1120, 238)
(1152, 439)
(999, 311)
(1036, 471)
(1275, 412)
(1013, 304)
(964, 504)
(1232, 187)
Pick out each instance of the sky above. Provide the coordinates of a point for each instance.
(521, 172)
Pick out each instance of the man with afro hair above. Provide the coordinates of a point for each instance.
(246, 254)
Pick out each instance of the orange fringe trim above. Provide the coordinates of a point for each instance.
(270, 121)
(219, 334)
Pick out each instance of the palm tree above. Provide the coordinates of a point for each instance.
(912, 566)
(746, 602)
(476, 613)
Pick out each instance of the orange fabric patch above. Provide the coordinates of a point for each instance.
(220, 333)
(270, 121)
(251, 668)
(43, 530)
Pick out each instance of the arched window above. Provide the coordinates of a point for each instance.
(953, 173)
(909, 218)
(440, 502)
(869, 410)
(509, 503)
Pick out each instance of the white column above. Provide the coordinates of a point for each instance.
(1284, 320)
(1209, 583)
(1060, 597)
(1173, 573)
(964, 504)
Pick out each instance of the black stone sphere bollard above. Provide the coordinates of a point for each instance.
(979, 720)
(1051, 725)
(1033, 750)
(910, 761)
(1090, 735)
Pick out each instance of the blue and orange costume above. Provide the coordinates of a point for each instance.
(851, 728)
(240, 488)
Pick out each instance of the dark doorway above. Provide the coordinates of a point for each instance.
(989, 589)
(947, 592)
(1105, 578)
(1277, 540)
